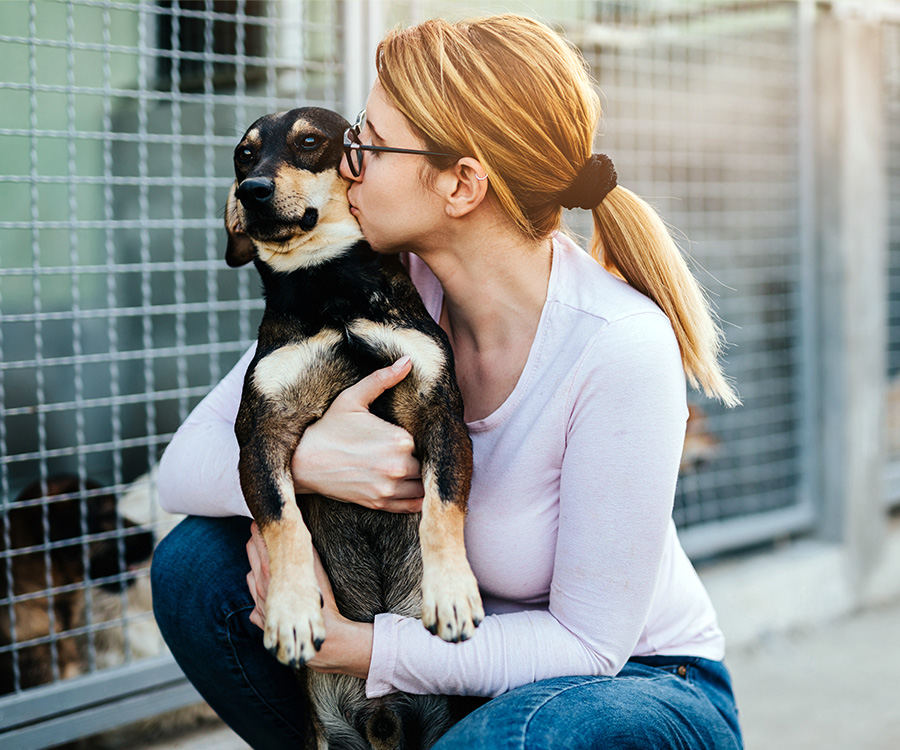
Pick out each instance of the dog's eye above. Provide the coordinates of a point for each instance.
(309, 142)
(243, 155)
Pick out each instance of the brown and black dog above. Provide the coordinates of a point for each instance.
(67, 534)
(335, 312)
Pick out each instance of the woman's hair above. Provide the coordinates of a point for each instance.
(512, 93)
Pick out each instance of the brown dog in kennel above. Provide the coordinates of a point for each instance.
(58, 538)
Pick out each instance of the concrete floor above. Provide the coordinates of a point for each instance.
(834, 687)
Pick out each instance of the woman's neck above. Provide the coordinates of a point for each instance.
(495, 286)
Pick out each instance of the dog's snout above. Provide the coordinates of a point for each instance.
(255, 191)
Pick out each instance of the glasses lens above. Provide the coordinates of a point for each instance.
(353, 152)
(351, 139)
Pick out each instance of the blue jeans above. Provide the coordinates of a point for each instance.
(202, 605)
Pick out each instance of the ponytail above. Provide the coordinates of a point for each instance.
(631, 241)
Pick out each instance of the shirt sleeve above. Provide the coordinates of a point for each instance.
(626, 416)
(198, 472)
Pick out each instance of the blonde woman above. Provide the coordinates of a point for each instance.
(572, 368)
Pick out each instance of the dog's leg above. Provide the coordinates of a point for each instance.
(451, 602)
(288, 389)
(294, 625)
(295, 628)
(429, 406)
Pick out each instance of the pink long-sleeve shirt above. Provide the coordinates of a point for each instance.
(569, 529)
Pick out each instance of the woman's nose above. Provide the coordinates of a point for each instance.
(345, 170)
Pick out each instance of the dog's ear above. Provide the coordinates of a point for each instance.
(240, 249)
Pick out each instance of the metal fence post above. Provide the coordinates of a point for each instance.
(851, 241)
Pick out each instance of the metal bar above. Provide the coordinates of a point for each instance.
(116, 688)
(355, 79)
(116, 713)
(807, 382)
(709, 539)
(90, 629)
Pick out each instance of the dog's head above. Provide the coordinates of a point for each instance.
(288, 205)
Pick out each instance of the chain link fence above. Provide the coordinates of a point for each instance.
(702, 113)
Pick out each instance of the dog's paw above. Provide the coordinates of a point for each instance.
(451, 603)
(295, 628)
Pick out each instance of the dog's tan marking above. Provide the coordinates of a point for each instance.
(451, 602)
(302, 125)
(253, 135)
(427, 357)
(294, 622)
(232, 217)
(282, 369)
(334, 232)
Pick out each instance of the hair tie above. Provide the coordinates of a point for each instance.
(591, 185)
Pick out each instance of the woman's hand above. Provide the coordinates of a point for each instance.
(353, 456)
(258, 577)
(348, 645)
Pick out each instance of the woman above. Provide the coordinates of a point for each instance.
(599, 632)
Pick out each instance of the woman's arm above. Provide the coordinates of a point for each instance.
(625, 427)
(349, 454)
(198, 472)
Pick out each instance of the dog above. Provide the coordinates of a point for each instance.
(65, 514)
(701, 446)
(892, 416)
(335, 312)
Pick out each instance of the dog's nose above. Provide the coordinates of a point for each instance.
(255, 191)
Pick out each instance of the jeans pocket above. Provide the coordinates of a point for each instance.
(677, 666)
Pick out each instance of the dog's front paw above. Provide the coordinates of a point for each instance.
(295, 628)
(451, 603)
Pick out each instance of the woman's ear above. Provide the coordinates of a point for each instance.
(465, 186)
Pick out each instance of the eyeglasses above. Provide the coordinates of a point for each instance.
(356, 150)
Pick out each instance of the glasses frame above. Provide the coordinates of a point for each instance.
(353, 146)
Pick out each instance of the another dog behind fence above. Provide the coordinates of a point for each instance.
(65, 541)
(120, 618)
(701, 445)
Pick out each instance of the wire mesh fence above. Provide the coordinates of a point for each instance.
(702, 114)
(118, 314)
(117, 126)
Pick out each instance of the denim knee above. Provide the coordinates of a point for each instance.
(202, 605)
(198, 579)
(166, 580)
(165, 574)
(643, 707)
